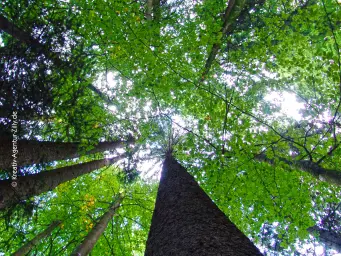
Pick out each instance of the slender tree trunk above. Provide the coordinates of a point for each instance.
(36, 240)
(36, 152)
(26, 38)
(12, 192)
(149, 9)
(186, 221)
(231, 14)
(102, 95)
(330, 238)
(153, 10)
(157, 12)
(153, 14)
(17, 33)
(328, 175)
(90, 240)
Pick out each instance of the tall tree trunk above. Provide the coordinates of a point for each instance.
(36, 240)
(149, 9)
(330, 238)
(329, 175)
(153, 10)
(25, 37)
(157, 22)
(26, 186)
(153, 14)
(90, 240)
(232, 11)
(36, 152)
(8, 27)
(186, 221)
(101, 94)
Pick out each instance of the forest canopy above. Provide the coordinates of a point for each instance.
(245, 93)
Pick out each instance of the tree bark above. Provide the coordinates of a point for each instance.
(36, 240)
(35, 184)
(90, 240)
(36, 152)
(330, 238)
(328, 175)
(186, 221)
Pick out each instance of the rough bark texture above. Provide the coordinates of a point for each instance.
(329, 238)
(36, 240)
(186, 221)
(37, 152)
(35, 184)
(90, 240)
(328, 175)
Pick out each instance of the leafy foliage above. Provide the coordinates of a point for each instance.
(106, 70)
